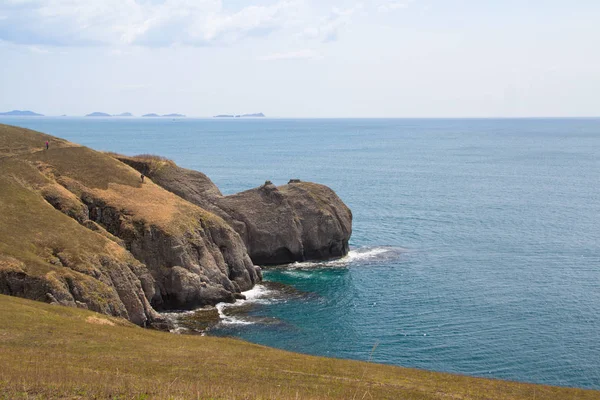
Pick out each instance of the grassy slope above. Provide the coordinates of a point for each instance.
(31, 229)
(32, 232)
(15, 140)
(55, 352)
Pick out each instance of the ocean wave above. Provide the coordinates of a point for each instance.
(259, 294)
(354, 257)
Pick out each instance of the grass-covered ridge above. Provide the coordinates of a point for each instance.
(58, 352)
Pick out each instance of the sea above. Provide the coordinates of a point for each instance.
(475, 246)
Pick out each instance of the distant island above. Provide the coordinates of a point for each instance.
(154, 115)
(125, 114)
(19, 113)
(257, 115)
(98, 114)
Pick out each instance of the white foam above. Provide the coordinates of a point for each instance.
(352, 257)
(228, 319)
(299, 274)
(257, 294)
(358, 255)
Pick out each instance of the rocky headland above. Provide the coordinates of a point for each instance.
(299, 221)
(80, 228)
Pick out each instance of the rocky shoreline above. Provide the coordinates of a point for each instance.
(91, 233)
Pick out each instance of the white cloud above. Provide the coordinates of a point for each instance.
(38, 50)
(391, 5)
(329, 27)
(305, 54)
(148, 23)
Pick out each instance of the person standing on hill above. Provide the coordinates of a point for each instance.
(47, 145)
(142, 177)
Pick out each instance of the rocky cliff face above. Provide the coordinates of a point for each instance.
(79, 228)
(295, 222)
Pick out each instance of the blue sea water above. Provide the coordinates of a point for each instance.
(476, 243)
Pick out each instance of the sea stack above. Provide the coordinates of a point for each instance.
(299, 221)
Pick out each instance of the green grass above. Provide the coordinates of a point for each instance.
(58, 352)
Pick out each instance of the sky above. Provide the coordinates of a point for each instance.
(302, 58)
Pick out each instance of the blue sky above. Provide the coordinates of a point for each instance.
(302, 58)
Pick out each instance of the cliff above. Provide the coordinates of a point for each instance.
(79, 228)
(299, 221)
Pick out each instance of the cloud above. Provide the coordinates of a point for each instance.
(305, 54)
(391, 5)
(130, 22)
(329, 27)
(38, 50)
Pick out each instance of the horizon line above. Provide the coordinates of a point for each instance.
(162, 117)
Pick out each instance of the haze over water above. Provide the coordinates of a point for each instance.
(476, 243)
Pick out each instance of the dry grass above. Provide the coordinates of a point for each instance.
(91, 168)
(83, 169)
(55, 352)
(31, 229)
(92, 319)
(15, 141)
(152, 157)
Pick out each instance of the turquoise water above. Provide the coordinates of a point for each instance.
(476, 244)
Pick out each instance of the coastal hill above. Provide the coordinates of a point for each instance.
(84, 231)
(50, 352)
(125, 114)
(151, 115)
(19, 113)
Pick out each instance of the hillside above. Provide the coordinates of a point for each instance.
(51, 352)
(80, 229)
